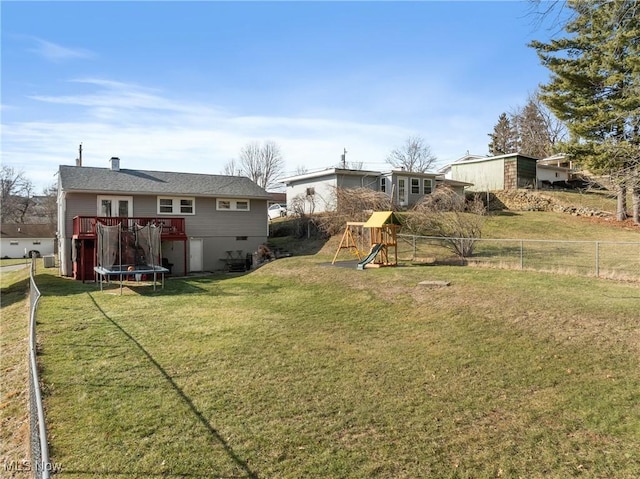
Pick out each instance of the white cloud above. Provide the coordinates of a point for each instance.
(149, 130)
(57, 53)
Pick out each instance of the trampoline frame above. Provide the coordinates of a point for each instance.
(123, 270)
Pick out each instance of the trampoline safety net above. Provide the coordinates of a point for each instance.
(118, 246)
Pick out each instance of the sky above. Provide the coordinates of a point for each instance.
(183, 86)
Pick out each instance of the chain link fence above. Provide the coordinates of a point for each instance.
(604, 259)
(40, 464)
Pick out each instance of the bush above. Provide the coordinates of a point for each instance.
(445, 214)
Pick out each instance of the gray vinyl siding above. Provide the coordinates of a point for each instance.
(323, 197)
(215, 250)
(208, 221)
(354, 181)
(218, 229)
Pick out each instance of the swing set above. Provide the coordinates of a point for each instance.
(380, 232)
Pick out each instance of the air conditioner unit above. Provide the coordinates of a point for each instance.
(49, 261)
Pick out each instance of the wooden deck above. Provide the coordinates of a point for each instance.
(84, 227)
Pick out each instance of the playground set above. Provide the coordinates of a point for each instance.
(380, 233)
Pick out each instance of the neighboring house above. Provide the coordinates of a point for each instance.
(206, 219)
(318, 189)
(277, 198)
(446, 169)
(21, 240)
(505, 172)
(548, 174)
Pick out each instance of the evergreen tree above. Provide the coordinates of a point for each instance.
(533, 135)
(595, 89)
(504, 138)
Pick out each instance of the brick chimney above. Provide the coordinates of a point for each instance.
(115, 163)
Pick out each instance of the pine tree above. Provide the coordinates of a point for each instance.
(504, 138)
(595, 89)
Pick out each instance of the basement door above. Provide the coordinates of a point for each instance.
(195, 254)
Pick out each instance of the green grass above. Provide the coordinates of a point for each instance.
(552, 242)
(300, 369)
(559, 226)
(13, 261)
(14, 333)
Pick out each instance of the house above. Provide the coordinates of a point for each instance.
(446, 169)
(505, 172)
(277, 198)
(318, 189)
(206, 220)
(22, 240)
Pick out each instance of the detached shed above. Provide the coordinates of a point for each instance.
(21, 240)
(504, 172)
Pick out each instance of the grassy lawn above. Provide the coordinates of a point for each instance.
(300, 369)
(14, 350)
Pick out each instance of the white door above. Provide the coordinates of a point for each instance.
(403, 194)
(195, 254)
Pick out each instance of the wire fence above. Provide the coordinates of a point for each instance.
(604, 259)
(40, 465)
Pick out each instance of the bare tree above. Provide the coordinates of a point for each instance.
(414, 155)
(556, 130)
(262, 163)
(48, 207)
(447, 215)
(17, 195)
(231, 168)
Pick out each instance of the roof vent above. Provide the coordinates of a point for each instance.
(115, 163)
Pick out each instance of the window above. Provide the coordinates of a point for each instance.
(165, 205)
(176, 206)
(242, 238)
(36, 242)
(186, 206)
(383, 184)
(14, 243)
(115, 206)
(233, 205)
(311, 191)
(426, 186)
(415, 186)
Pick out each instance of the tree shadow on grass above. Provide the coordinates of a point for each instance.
(212, 432)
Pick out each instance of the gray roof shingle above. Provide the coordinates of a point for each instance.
(106, 180)
(22, 230)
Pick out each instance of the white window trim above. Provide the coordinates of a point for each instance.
(129, 199)
(431, 187)
(411, 180)
(233, 204)
(175, 205)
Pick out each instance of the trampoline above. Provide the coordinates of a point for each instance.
(129, 252)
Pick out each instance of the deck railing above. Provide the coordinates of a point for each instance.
(85, 226)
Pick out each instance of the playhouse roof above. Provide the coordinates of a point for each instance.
(380, 218)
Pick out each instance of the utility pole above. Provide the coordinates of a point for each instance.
(344, 159)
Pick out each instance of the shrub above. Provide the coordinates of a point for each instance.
(445, 214)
